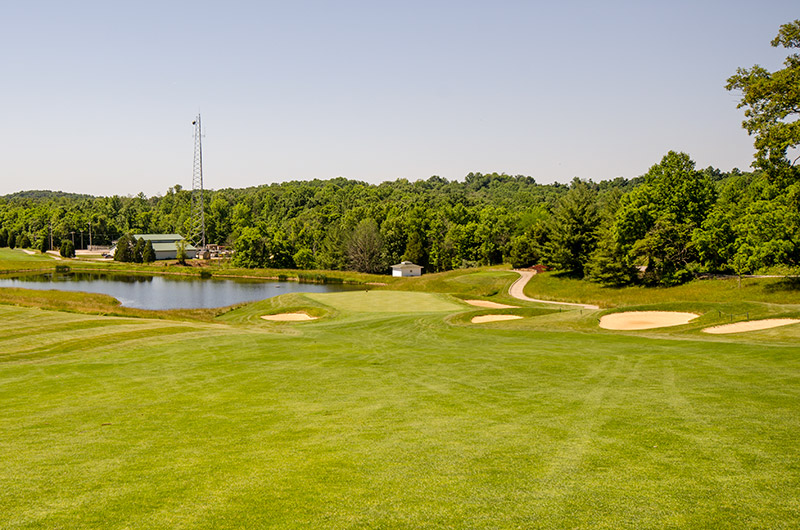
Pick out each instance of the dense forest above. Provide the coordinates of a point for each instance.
(661, 228)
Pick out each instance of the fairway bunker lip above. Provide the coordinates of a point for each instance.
(750, 325)
(297, 316)
(490, 305)
(482, 319)
(640, 320)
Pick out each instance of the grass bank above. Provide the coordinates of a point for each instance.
(552, 286)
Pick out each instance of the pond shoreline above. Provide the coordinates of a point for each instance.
(168, 290)
(278, 278)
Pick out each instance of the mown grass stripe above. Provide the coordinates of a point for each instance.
(93, 342)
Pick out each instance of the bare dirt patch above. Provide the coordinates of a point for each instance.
(750, 325)
(493, 318)
(490, 305)
(636, 320)
(289, 317)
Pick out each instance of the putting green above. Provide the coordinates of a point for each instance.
(386, 302)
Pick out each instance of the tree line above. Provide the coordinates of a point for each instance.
(661, 228)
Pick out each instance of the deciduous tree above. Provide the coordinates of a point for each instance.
(364, 247)
(772, 104)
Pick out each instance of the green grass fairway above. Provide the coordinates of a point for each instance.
(386, 302)
(16, 259)
(388, 416)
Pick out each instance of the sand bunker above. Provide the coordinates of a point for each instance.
(289, 317)
(493, 318)
(634, 320)
(489, 305)
(750, 325)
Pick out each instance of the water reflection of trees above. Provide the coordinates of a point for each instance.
(95, 276)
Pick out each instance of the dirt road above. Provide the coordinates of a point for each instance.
(516, 290)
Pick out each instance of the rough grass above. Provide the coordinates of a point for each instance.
(551, 286)
(94, 303)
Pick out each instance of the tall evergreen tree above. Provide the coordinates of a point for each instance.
(138, 250)
(124, 251)
(149, 253)
(573, 231)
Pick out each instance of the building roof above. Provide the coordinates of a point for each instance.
(169, 246)
(165, 242)
(159, 237)
(406, 265)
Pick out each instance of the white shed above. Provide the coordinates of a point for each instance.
(406, 268)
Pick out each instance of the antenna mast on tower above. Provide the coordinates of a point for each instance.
(198, 235)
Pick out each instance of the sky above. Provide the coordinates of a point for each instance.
(99, 97)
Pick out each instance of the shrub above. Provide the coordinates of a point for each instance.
(67, 249)
(182, 255)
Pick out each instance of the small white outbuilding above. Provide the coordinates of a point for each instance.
(406, 269)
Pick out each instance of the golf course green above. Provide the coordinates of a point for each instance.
(391, 410)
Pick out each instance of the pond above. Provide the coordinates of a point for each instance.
(164, 292)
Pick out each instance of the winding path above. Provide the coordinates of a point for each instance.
(516, 290)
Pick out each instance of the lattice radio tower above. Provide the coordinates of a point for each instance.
(198, 235)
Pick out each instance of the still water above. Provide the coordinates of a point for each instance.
(163, 292)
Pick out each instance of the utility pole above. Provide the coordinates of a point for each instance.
(81, 239)
(90, 233)
(73, 238)
(198, 235)
(51, 234)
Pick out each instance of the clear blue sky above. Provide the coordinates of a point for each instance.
(98, 97)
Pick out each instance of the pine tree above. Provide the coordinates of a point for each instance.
(149, 253)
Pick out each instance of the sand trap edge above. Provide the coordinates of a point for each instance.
(750, 325)
(298, 316)
(641, 320)
(490, 305)
(482, 319)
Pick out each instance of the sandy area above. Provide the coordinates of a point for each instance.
(633, 320)
(750, 325)
(494, 318)
(489, 305)
(289, 317)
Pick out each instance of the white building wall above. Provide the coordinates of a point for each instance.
(407, 272)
